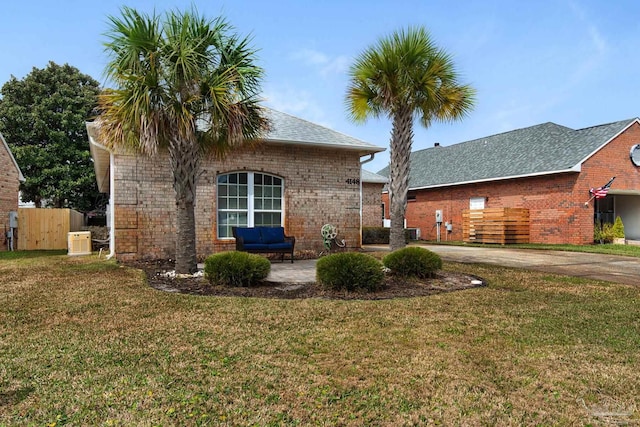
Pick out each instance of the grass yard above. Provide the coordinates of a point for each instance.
(86, 342)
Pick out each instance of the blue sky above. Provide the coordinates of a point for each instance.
(572, 62)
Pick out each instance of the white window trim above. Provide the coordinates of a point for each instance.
(250, 201)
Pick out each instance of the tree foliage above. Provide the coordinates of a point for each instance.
(42, 117)
(405, 76)
(184, 84)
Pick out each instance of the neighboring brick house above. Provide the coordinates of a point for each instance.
(547, 169)
(301, 176)
(9, 189)
(372, 208)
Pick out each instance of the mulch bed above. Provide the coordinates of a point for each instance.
(444, 281)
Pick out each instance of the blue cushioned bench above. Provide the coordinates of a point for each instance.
(263, 240)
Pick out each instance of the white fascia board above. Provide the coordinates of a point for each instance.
(358, 148)
(101, 156)
(13, 159)
(636, 120)
(574, 169)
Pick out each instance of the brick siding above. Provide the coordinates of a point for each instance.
(315, 185)
(9, 187)
(555, 202)
(371, 204)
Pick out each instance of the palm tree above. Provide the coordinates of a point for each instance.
(185, 85)
(405, 76)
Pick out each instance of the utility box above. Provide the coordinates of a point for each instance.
(13, 219)
(439, 216)
(79, 243)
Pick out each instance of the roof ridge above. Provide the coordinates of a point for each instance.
(319, 125)
(495, 135)
(608, 124)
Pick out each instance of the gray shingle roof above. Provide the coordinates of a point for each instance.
(373, 178)
(537, 150)
(289, 129)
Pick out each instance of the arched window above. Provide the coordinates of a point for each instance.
(248, 199)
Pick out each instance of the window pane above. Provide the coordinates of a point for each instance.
(268, 219)
(233, 201)
(226, 220)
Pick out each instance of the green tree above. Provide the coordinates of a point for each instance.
(43, 120)
(405, 76)
(184, 84)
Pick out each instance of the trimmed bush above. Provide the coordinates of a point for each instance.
(350, 271)
(618, 228)
(236, 269)
(603, 233)
(379, 235)
(413, 261)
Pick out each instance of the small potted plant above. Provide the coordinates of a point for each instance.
(618, 232)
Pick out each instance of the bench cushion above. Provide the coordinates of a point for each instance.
(249, 235)
(272, 235)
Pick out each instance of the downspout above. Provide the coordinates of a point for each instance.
(112, 208)
(362, 162)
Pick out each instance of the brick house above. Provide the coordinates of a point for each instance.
(372, 208)
(10, 180)
(547, 169)
(301, 176)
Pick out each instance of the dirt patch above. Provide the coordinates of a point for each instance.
(445, 281)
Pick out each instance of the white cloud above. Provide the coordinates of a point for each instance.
(300, 103)
(598, 42)
(326, 66)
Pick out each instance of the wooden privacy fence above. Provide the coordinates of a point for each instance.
(496, 225)
(46, 228)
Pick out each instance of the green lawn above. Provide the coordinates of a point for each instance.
(85, 341)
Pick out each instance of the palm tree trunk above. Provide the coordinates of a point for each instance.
(401, 139)
(185, 164)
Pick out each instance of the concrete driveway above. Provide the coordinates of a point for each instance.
(618, 269)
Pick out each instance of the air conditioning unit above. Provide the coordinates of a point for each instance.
(79, 243)
(414, 233)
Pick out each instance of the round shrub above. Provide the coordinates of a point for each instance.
(413, 261)
(236, 269)
(350, 271)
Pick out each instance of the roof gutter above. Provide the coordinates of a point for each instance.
(362, 149)
(362, 162)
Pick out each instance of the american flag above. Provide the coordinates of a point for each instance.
(601, 192)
